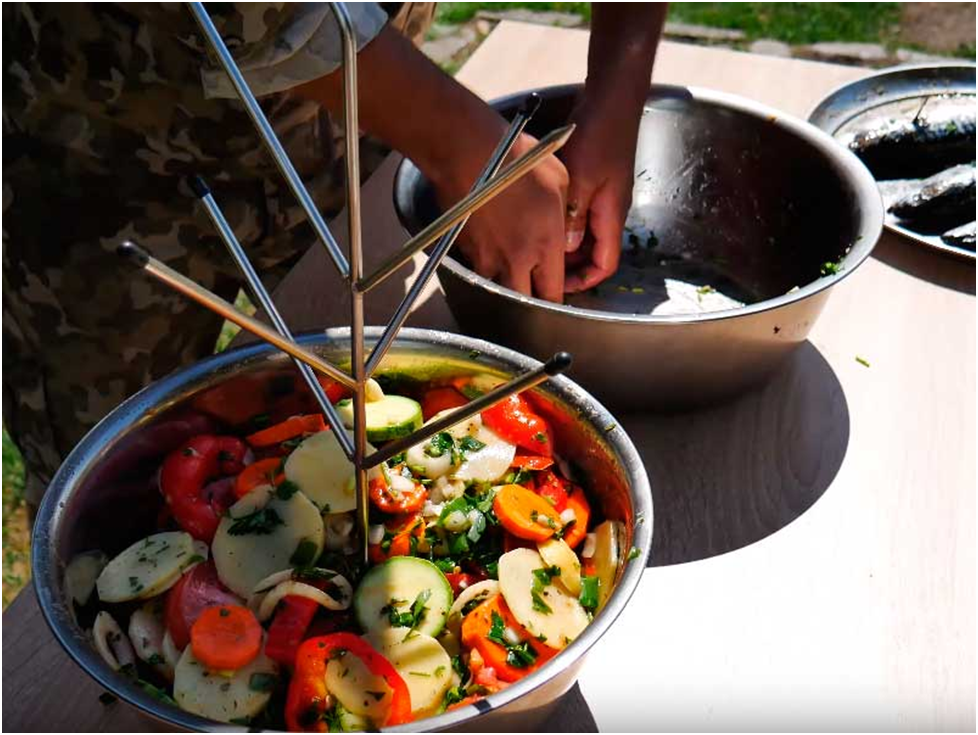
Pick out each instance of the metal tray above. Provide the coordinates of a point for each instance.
(907, 86)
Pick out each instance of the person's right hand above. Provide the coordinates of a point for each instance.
(518, 239)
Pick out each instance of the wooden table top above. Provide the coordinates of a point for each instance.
(814, 540)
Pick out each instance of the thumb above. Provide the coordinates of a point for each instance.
(575, 224)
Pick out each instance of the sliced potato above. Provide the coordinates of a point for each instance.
(321, 470)
(244, 556)
(420, 461)
(557, 553)
(475, 594)
(146, 568)
(219, 697)
(566, 617)
(111, 643)
(489, 463)
(81, 573)
(357, 689)
(470, 427)
(146, 633)
(421, 661)
(607, 558)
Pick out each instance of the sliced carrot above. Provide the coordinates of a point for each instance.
(288, 429)
(532, 462)
(262, 472)
(403, 528)
(577, 502)
(226, 637)
(437, 400)
(475, 631)
(525, 514)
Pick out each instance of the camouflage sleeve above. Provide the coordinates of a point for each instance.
(282, 45)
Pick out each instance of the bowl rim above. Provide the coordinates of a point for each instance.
(45, 567)
(843, 161)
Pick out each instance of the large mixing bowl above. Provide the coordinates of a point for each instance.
(729, 194)
(104, 497)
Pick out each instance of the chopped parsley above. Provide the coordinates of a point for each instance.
(589, 592)
(260, 523)
(439, 444)
(470, 444)
(541, 578)
(286, 489)
(262, 682)
(518, 655)
(634, 553)
(410, 619)
(304, 554)
(831, 269)
(862, 361)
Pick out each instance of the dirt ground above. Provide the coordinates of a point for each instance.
(938, 26)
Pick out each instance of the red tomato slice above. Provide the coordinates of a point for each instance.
(437, 400)
(553, 489)
(197, 590)
(514, 420)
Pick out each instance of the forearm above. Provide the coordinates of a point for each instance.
(624, 38)
(410, 104)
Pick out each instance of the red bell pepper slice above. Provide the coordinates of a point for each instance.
(288, 628)
(308, 699)
(532, 462)
(289, 429)
(515, 421)
(553, 489)
(437, 400)
(185, 473)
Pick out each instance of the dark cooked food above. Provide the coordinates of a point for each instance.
(962, 237)
(940, 136)
(948, 195)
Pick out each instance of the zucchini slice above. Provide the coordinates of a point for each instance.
(146, 568)
(398, 585)
(391, 417)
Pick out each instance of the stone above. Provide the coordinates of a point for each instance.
(909, 56)
(543, 18)
(703, 33)
(484, 27)
(769, 47)
(444, 49)
(860, 53)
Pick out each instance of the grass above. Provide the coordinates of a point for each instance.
(463, 12)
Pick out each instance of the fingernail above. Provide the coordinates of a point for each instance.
(573, 240)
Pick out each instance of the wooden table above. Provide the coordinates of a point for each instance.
(815, 540)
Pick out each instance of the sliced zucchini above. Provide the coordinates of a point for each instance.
(391, 417)
(350, 722)
(557, 553)
(547, 611)
(489, 463)
(397, 585)
(421, 661)
(607, 558)
(244, 693)
(81, 573)
(261, 533)
(146, 568)
(323, 473)
(357, 689)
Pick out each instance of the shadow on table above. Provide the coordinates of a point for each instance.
(569, 713)
(925, 263)
(725, 477)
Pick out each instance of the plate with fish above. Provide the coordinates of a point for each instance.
(914, 128)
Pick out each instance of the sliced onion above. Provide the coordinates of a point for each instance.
(568, 516)
(171, 654)
(401, 484)
(511, 636)
(590, 542)
(480, 590)
(291, 587)
(376, 534)
(111, 643)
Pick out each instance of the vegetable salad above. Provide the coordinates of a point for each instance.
(249, 604)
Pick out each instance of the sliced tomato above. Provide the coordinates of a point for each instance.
(389, 500)
(532, 462)
(515, 421)
(289, 627)
(197, 590)
(553, 489)
(460, 580)
(437, 400)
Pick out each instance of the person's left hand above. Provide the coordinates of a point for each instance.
(600, 159)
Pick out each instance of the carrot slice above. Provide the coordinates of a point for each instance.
(288, 429)
(403, 528)
(226, 637)
(525, 514)
(262, 472)
(476, 627)
(532, 462)
(577, 502)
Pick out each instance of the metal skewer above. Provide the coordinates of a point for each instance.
(263, 298)
(515, 130)
(215, 303)
(479, 197)
(271, 141)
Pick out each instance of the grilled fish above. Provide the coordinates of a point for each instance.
(940, 136)
(948, 196)
(962, 237)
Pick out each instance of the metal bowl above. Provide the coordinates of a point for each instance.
(739, 197)
(104, 495)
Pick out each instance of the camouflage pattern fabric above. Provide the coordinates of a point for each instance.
(104, 118)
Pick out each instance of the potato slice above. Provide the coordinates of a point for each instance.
(607, 558)
(323, 473)
(421, 661)
(146, 568)
(357, 689)
(557, 553)
(245, 553)
(566, 617)
(81, 573)
(223, 698)
(489, 463)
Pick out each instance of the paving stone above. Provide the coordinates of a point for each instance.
(703, 33)
(769, 47)
(860, 53)
(544, 18)
(909, 56)
(442, 50)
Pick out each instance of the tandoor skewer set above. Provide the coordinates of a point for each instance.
(441, 233)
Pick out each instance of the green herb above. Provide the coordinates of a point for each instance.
(473, 603)
(262, 682)
(420, 673)
(610, 427)
(634, 553)
(439, 444)
(286, 489)
(517, 478)
(260, 523)
(540, 437)
(830, 269)
(195, 559)
(541, 578)
(333, 719)
(518, 655)
(304, 554)
(129, 670)
(397, 459)
(224, 612)
(704, 290)
(410, 619)
(155, 659)
(455, 695)
(440, 670)
(589, 592)
(862, 361)
(135, 584)
(470, 444)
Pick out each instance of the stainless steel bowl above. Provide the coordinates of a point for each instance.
(104, 497)
(738, 196)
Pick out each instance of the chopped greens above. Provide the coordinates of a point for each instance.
(410, 619)
(262, 682)
(541, 578)
(304, 554)
(518, 655)
(589, 592)
(286, 489)
(470, 444)
(260, 523)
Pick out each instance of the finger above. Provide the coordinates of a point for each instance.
(606, 223)
(548, 275)
(518, 279)
(575, 222)
(584, 278)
